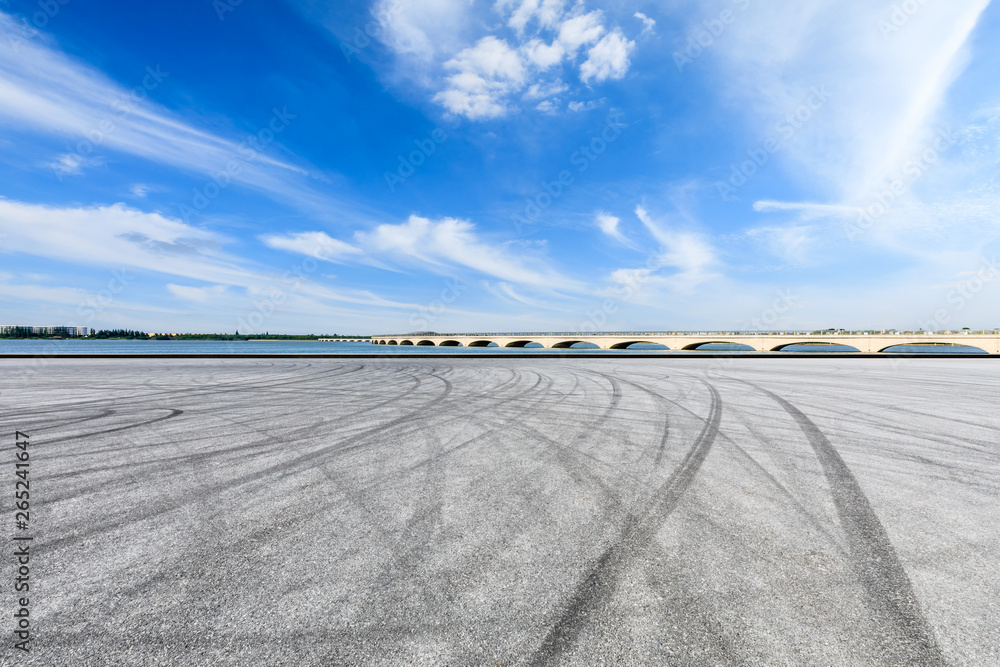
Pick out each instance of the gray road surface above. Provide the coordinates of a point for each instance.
(512, 511)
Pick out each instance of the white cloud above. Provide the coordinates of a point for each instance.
(647, 22)
(423, 30)
(539, 91)
(793, 243)
(479, 79)
(72, 164)
(438, 245)
(583, 106)
(45, 91)
(448, 242)
(139, 190)
(484, 75)
(543, 55)
(547, 106)
(197, 294)
(608, 224)
(891, 100)
(886, 91)
(118, 236)
(810, 209)
(608, 59)
(69, 296)
(581, 30)
(686, 252)
(547, 12)
(520, 16)
(508, 293)
(314, 244)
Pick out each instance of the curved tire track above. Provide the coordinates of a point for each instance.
(600, 583)
(908, 638)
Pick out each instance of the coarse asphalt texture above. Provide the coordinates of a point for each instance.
(397, 511)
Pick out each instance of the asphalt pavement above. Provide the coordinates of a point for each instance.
(465, 511)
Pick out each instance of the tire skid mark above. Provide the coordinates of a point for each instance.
(107, 412)
(572, 459)
(498, 423)
(173, 413)
(354, 442)
(169, 464)
(813, 520)
(402, 543)
(409, 546)
(160, 464)
(243, 424)
(755, 464)
(873, 418)
(601, 581)
(220, 388)
(910, 639)
(494, 426)
(414, 423)
(662, 447)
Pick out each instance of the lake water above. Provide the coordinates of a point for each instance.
(58, 347)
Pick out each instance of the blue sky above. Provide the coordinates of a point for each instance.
(485, 165)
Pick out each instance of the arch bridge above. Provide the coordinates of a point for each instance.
(759, 342)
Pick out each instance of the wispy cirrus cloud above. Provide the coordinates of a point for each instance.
(884, 92)
(45, 91)
(648, 23)
(444, 245)
(198, 294)
(892, 158)
(117, 235)
(314, 244)
(688, 254)
(610, 226)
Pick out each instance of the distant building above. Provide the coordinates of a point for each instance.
(66, 332)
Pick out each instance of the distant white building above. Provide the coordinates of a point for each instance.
(68, 332)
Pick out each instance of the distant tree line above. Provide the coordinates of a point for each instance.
(118, 333)
(239, 336)
(21, 332)
(135, 335)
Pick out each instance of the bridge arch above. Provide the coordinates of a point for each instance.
(406, 342)
(392, 342)
(449, 343)
(626, 344)
(426, 342)
(695, 346)
(381, 342)
(480, 343)
(937, 346)
(522, 343)
(818, 344)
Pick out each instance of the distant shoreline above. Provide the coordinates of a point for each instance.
(241, 339)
